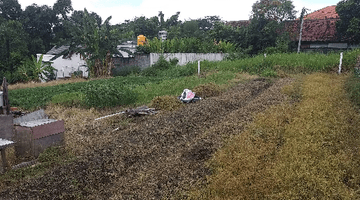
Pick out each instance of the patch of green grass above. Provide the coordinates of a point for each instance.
(33, 98)
(69, 99)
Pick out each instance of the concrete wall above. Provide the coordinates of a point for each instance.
(67, 66)
(141, 60)
(184, 58)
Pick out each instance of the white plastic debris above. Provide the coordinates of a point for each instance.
(188, 96)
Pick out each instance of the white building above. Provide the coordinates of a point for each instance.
(65, 65)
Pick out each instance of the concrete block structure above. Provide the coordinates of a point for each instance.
(33, 137)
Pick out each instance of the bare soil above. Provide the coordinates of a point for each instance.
(160, 157)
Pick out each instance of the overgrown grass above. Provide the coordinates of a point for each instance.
(307, 150)
(288, 62)
(32, 98)
(165, 78)
(176, 86)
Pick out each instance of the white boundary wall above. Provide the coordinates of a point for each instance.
(187, 57)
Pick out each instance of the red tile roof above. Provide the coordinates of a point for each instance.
(320, 30)
(325, 13)
(319, 26)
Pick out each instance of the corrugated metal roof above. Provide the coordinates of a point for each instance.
(56, 50)
(129, 45)
(4, 143)
(38, 122)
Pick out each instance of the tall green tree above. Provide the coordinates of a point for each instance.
(10, 9)
(348, 26)
(63, 8)
(94, 41)
(39, 22)
(265, 25)
(13, 40)
(278, 10)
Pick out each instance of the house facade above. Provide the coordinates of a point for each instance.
(65, 65)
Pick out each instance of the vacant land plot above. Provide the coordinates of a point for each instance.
(158, 157)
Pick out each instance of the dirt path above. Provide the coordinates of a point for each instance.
(162, 157)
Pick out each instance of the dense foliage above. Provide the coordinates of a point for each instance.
(187, 45)
(348, 26)
(37, 28)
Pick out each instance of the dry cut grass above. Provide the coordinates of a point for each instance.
(46, 84)
(305, 150)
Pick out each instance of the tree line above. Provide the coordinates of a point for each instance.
(25, 33)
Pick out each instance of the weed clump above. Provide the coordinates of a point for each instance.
(169, 103)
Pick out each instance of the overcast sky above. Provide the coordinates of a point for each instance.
(227, 10)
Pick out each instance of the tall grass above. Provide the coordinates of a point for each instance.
(288, 62)
(304, 151)
(166, 79)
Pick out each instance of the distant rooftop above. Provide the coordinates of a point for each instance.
(128, 45)
(240, 23)
(324, 13)
(56, 50)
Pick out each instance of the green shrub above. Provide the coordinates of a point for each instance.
(162, 63)
(156, 69)
(174, 61)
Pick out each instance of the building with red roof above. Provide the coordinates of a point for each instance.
(319, 30)
(325, 13)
